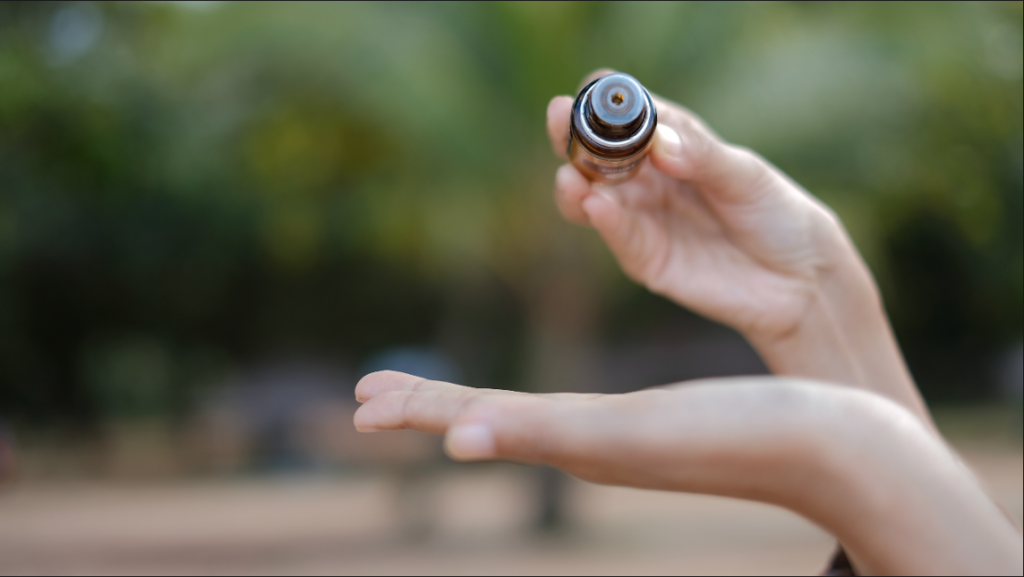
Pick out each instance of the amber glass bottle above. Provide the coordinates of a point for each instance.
(612, 127)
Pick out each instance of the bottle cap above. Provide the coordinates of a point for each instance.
(617, 106)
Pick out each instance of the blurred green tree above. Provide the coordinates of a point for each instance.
(229, 180)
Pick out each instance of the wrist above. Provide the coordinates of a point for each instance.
(843, 335)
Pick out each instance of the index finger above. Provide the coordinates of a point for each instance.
(380, 382)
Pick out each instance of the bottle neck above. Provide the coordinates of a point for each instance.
(613, 132)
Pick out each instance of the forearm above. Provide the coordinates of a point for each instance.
(901, 503)
(860, 466)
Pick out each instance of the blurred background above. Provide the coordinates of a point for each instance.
(216, 217)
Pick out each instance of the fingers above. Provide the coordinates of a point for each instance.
(571, 190)
(427, 411)
(480, 423)
(571, 187)
(382, 382)
(395, 401)
(615, 227)
(503, 427)
(601, 207)
(406, 402)
(559, 112)
(686, 149)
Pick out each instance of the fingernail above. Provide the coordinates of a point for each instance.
(471, 442)
(667, 142)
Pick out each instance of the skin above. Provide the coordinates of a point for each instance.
(840, 434)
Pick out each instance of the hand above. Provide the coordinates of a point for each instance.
(712, 226)
(719, 230)
(859, 466)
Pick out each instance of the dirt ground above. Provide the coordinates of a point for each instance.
(360, 523)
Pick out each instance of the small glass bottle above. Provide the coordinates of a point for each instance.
(612, 127)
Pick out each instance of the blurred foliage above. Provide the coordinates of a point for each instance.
(184, 187)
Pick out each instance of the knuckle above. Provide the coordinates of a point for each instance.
(751, 161)
(701, 145)
(753, 174)
(405, 411)
(470, 402)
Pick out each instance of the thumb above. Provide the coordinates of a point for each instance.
(509, 428)
(473, 441)
(526, 429)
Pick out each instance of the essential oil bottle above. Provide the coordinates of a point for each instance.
(612, 127)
